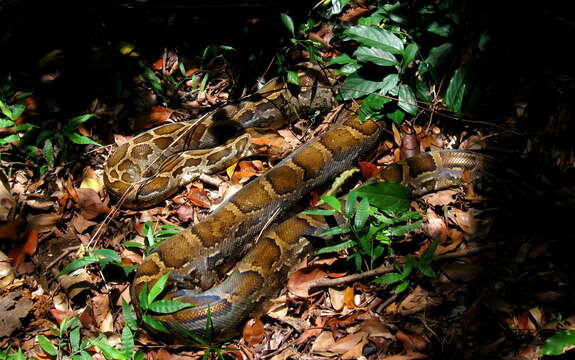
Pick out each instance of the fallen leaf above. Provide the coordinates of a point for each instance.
(253, 332)
(416, 301)
(91, 180)
(43, 222)
(336, 298)
(156, 116)
(299, 282)
(435, 228)
(91, 206)
(199, 197)
(407, 356)
(464, 219)
(368, 169)
(411, 342)
(349, 297)
(323, 343)
(374, 327)
(13, 306)
(81, 224)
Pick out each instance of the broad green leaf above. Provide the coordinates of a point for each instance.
(341, 59)
(9, 139)
(108, 256)
(350, 204)
(4, 123)
(439, 29)
(292, 77)
(157, 288)
(75, 339)
(376, 56)
(397, 116)
(129, 315)
(401, 287)
(151, 77)
(362, 213)
(409, 54)
(338, 247)
(456, 90)
(356, 86)
(17, 110)
(77, 121)
(333, 202)
(439, 54)
(428, 254)
(422, 91)
(48, 150)
(407, 100)
(387, 196)
(376, 37)
(168, 306)
(84, 355)
(153, 323)
(556, 344)
(337, 230)
(6, 110)
(337, 6)
(140, 355)
(81, 139)
(109, 351)
(427, 270)
(79, 263)
(143, 297)
(134, 244)
(404, 229)
(128, 345)
(348, 69)
(320, 212)
(288, 22)
(389, 278)
(47, 346)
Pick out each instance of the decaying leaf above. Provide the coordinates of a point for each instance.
(299, 282)
(91, 206)
(253, 332)
(14, 306)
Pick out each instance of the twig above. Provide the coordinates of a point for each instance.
(62, 255)
(389, 268)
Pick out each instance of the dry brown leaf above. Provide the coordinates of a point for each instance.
(435, 228)
(185, 213)
(253, 332)
(374, 327)
(81, 224)
(416, 301)
(464, 219)
(91, 206)
(411, 342)
(299, 282)
(156, 116)
(441, 198)
(406, 356)
(349, 342)
(12, 230)
(336, 298)
(6, 271)
(323, 343)
(43, 222)
(13, 306)
(91, 180)
(349, 297)
(100, 307)
(368, 169)
(76, 282)
(462, 273)
(199, 197)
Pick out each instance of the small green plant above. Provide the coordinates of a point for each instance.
(9, 354)
(154, 237)
(310, 46)
(556, 344)
(374, 214)
(11, 108)
(68, 342)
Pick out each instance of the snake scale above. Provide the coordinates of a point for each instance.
(154, 164)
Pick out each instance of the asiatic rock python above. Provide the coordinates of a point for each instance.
(153, 165)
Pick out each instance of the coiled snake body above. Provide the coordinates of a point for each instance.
(156, 163)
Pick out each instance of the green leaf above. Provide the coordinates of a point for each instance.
(333, 202)
(397, 116)
(356, 86)
(293, 77)
(350, 204)
(427, 270)
(389, 278)
(129, 315)
(84, 355)
(439, 29)
(79, 263)
(4, 123)
(376, 56)
(128, 345)
(376, 37)
(336, 248)
(341, 59)
(556, 344)
(320, 212)
(422, 91)
(134, 244)
(288, 22)
(153, 323)
(157, 288)
(439, 54)
(168, 306)
(108, 256)
(362, 213)
(409, 55)
(75, 339)
(77, 121)
(81, 139)
(456, 90)
(47, 346)
(17, 110)
(9, 139)
(387, 196)
(151, 77)
(407, 100)
(143, 297)
(6, 110)
(348, 69)
(404, 229)
(108, 351)
(337, 230)
(401, 287)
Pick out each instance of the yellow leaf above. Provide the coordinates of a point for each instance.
(90, 183)
(230, 170)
